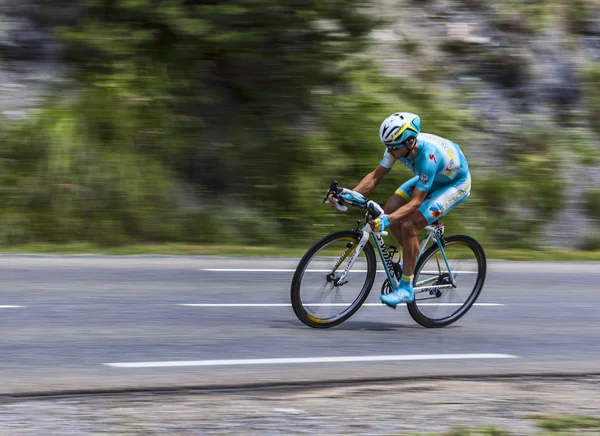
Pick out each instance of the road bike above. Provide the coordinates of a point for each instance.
(335, 276)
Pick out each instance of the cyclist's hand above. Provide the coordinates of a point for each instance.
(380, 224)
(332, 201)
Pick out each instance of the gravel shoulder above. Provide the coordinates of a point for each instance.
(513, 405)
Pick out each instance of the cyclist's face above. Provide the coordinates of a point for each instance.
(398, 152)
(403, 151)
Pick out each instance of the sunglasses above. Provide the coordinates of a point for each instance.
(396, 146)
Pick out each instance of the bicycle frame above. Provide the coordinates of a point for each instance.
(386, 260)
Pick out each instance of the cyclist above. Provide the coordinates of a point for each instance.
(442, 181)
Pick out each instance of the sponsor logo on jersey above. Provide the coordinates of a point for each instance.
(436, 210)
(448, 202)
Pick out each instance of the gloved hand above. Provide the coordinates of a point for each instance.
(352, 197)
(334, 204)
(380, 224)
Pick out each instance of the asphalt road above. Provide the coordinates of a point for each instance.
(93, 322)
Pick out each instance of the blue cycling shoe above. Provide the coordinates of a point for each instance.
(403, 294)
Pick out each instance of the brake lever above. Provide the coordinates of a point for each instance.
(331, 190)
(326, 196)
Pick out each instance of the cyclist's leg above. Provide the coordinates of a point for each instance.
(436, 205)
(394, 203)
(410, 245)
(402, 196)
(404, 293)
(443, 200)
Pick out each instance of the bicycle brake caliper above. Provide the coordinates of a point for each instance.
(439, 230)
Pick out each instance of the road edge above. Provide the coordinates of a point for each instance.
(285, 386)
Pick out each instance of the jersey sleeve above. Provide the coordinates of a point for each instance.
(388, 160)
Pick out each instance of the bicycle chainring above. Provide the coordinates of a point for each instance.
(385, 287)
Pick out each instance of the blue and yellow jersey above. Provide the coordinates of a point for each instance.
(438, 162)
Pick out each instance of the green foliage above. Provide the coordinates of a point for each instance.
(591, 243)
(220, 95)
(540, 183)
(516, 200)
(224, 122)
(223, 59)
(550, 425)
(578, 14)
(592, 199)
(569, 423)
(580, 143)
(59, 186)
(234, 78)
(483, 431)
(538, 170)
(200, 227)
(591, 83)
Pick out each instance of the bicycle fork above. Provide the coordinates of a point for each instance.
(361, 244)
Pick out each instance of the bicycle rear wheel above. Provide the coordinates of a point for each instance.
(318, 297)
(442, 307)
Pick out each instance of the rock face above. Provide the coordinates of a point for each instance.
(514, 77)
(29, 58)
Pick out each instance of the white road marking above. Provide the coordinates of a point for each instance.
(290, 411)
(10, 307)
(237, 305)
(324, 304)
(310, 270)
(253, 270)
(340, 359)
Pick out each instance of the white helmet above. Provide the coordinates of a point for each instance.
(399, 128)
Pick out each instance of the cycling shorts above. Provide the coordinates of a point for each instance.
(441, 199)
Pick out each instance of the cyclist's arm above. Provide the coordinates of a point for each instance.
(404, 211)
(418, 196)
(371, 180)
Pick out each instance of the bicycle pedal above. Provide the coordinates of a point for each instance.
(389, 305)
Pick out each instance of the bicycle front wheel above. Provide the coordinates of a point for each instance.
(320, 298)
(437, 305)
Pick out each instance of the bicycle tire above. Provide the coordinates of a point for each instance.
(477, 249)
(299, 309)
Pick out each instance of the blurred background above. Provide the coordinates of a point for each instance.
(224, 121)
